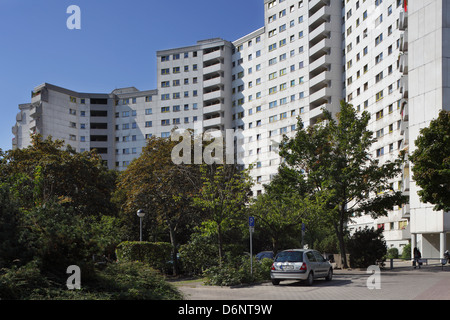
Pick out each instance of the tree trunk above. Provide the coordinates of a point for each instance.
(340, 235)
(274, 245)
(173, 241)
(219, 238)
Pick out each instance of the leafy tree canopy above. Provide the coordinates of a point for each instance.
(431, 159)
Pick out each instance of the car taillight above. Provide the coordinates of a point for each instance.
(303, 267)
(273, 266)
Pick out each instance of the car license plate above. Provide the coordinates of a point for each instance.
(288, 267)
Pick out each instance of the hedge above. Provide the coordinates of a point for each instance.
(156, 254)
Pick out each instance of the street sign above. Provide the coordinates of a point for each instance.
(251, 224)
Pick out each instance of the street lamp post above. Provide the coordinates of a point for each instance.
(141, 215)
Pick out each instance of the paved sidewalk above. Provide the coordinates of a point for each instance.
(402, 283)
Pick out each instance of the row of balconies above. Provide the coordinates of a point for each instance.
(320, 91)
(321, 15)
(213, 90)
(404, 126)
(397, 234)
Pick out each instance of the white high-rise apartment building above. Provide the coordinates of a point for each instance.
(372, 49)
(386, 57)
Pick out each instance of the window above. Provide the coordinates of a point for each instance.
(379, 96)
(379, 115)
(380, 152)
(378, 39)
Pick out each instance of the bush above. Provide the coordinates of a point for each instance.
(235, 273)
(18, 283)
(366, 247)
(199, 254)
(118, 281)
(134, 281)
(392, 253)
(156, 254)
(406, 253)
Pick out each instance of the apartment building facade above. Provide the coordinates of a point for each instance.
(309, 55)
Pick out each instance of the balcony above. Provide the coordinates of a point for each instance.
(217, 54)
(214, 108)
(403, 21)
(404, 86)
(322, 47)
(406, 138)
(400, 234)
(404, 127)
(323, 61)
(218, 67)
(317, 113)
(212, 82)
(216, 122)
(15, 130)
(320, 80)
(404, 42)
(319, 16)
(405, 184)
(405, 211)
(322, 30)
(33, 125)
(314, 4)
(214, 95)
(403, 64)
(35, 110)
(320, 97)
(404, 110)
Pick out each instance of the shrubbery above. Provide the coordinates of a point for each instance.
(366, 247)
(118, 281)
(155, 254)
(238, 272)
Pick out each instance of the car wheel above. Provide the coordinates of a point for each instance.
(310, 279)
(329, 276)
(275, 282)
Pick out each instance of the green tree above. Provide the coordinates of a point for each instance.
(332, 159)
(281, 211)
(10, 248)
(366, 247)
(46, 171)
(163, 189)
(223, 198)
(55, 202)
(431, 160)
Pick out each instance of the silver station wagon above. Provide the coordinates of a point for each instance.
(300, 264)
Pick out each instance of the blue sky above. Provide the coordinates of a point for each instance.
(116, 46)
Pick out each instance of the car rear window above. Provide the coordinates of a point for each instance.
(290, 256)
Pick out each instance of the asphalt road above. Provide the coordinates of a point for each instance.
(428, 283)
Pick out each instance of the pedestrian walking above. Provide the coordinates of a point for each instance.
(417, 257)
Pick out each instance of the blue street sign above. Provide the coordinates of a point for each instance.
(251, 222)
